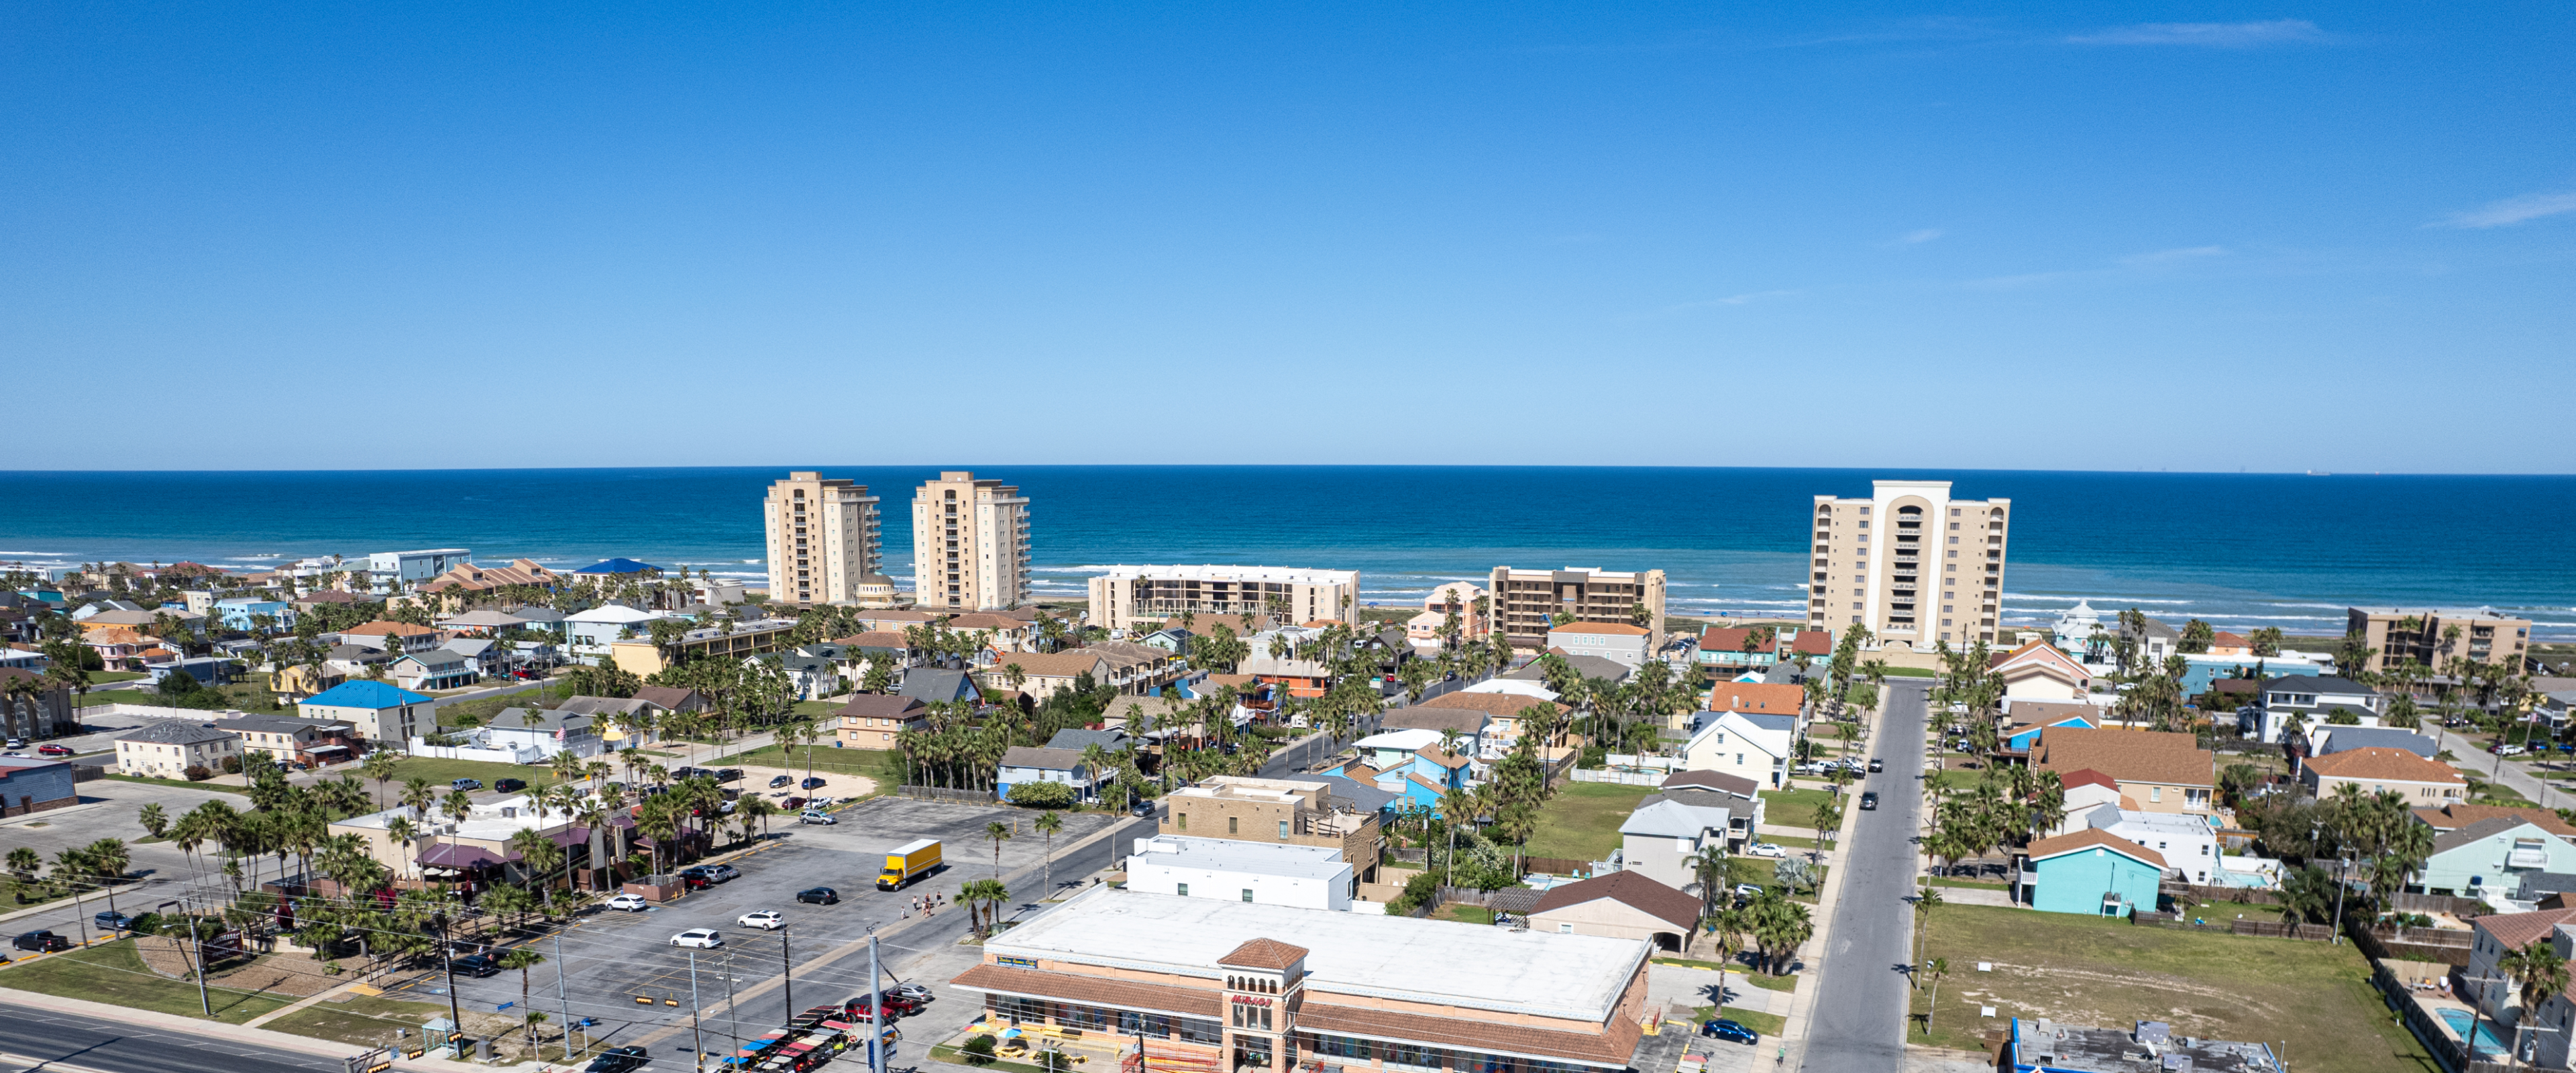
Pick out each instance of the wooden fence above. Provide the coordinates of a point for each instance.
(2463, 908)
(2414, 944)
(1557, 866)
(2314, 933)
(2207, 895)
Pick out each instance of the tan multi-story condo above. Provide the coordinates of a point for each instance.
(970, 544)
(1526, 602)
(1128, 597)
(1914, 565)
(2433, 637)
(823, 543)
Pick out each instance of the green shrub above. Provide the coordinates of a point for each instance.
(979, 1051)
(1041, 795)
(198, 773)
(1418, 892)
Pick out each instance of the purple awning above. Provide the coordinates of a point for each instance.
(457, 855)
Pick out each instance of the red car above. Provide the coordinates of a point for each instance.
(792, 804)
(53, 750)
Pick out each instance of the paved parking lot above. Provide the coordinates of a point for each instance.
(108, 809)
(613, 959)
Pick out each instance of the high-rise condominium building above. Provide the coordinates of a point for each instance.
(1910, 563)
(823, 543)
(1130, 596)
(1527, 601)
(970, 544)
(2433, 637)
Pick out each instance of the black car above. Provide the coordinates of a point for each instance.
(510, 786)
(476, 965)
(1876, 764)
(730, 774)
(812, 782)
(42, 942)
(112, 921)
(781, 780)
(1729, 1030)
(819, 896)
(617, 1060)
(1869, 801)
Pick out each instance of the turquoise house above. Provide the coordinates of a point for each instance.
(2092, 872)
(2494, 853)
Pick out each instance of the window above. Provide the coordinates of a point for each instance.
(1230, 825)
(2155, 793)
(1247, 894)
(1184, 890)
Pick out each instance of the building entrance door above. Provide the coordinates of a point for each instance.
(1251, 1052)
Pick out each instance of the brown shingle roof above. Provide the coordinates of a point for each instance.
(1423, 717)
(1612, 1046)
(2456, 816)
(873, 639)
(381, 627)
(2090, 837)
(1715, 780)
(1049, 664)
(1632, 889)
(2517, 930)
(1503, 704)
(2128, 755)
(884, 706)
(2380, 763)
(1432, 753)
(1092, 990)
(1269, 954)
(669, 698)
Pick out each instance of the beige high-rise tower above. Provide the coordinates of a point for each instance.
(970, 544)
(1914, 565)
(823, 539)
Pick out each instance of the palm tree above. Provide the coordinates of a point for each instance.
(108, 859)
(403, 833)
(2537, 972)
(1709, 866)
(1456, 807)
(1936, 969)
(1925, 902)
(522, 959)
(999, 834)
(379, 766)
(155, 821)
(1048, 823)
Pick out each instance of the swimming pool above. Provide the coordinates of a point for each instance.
(2488, 1045)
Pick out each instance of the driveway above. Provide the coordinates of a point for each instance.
(1858, 1012)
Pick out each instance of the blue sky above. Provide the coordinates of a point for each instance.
(2110, 236)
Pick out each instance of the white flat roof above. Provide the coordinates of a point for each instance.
(1284, 575)
(1579, 977)
(1407, 740)
(1249, 858)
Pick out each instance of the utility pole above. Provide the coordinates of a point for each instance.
(2343, 879)
(561, 998)
(733, 1013)
(786, 977)
(876, 1009)
(697, 1041)
(456, 1037)
(203, 1002)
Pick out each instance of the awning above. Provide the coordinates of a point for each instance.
(328, 749)
(459, 855)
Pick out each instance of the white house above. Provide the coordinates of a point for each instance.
(546, 731)
(1619, 641)
(1264, 873)
(1663, 835)
(589, 633)
(1749, 745)
(2188, 844)
(2314, 699)
(437, 668)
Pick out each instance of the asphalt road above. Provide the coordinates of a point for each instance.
(1858, 1018)
(90, 1043)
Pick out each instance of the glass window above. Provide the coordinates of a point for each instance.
(1156, 1025)
(1184, 890)
(1409, 1056)
(1198, 1030)
(1247, 894)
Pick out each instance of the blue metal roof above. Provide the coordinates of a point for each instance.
(365, 695)
(617, 566)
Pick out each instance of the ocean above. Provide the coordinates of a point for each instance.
(2240, 550)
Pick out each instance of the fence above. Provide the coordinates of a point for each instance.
(2314, 933)
(2414, 944)
(1621, 778)
(2463, 908)
(1557, 866)
(2205, 894)
(2437, 1038)
(943, 793)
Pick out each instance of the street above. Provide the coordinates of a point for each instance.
(38, 1038)
(1858, 1019)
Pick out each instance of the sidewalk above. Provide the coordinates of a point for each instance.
(1793, 1027)
(241, 1034)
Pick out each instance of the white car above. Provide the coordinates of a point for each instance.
(765, 920)
(1766, 849)
(702, 938)
(824, 818)
(629, 903)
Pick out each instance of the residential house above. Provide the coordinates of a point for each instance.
(485, 622)
(743, 640)
(672, 698)
(588, 634)
(1618, 642)
(1458, 598)
(1301, 812)
(1747, 745)
(1002, 633)
(814, 671)
(1666, 834)
(622, 722)
(2311, 700)
(1045, 674)
(2444, 819)
(2040, 671)
(2093, 872)
(1309, 877)
(1425, 777)
(544, 731)
(167, 748)
(2188, 844)
(243, 613)
(1079, 740)
(1741, 799)
(120, 648)
(2029, 720)
(1175, 641)
(294, 682)
(2157, 771)
(871, 720)
(1468, 721)
(312, 742)
(2492, 855)
(2223, 643)
(356, 661)
(2343, 739)
(1300, 677)
(1589, 668)
(1022, 763)
(1626, 904)
(319, 597)
(385, 635)
(1136, 670)
(1393, 748)
(2151, 1047)
(2086, 790)
(2497, 936)
(2421, 781)
(940, 685)
(382, 713)
(436, 668)
(2154, 639)
(467, 579)
(858, 650)
(33, 707)
(32, 784)
(1752, 698)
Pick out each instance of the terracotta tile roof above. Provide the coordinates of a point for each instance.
(1813, 643)
(1093, 990)
(2087, 777)
(873, 639)
(381, 627)
(1448, 760)
(1236, 680)
(1270, 954)
(1502, 704)
(1615, 629)
(2129, 755)
(1731, 639)
(2089, 838)
(1631, 889)
(2517, 930)
(1756, 697)
(2456, 816)
(1050, 664)
(2224, 639)
(2380, 763)
(1611, 1046)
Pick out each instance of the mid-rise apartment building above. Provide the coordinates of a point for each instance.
(386, 569)
(970, 544)
(1526, 602)
(1910, 563)
(1128, 597)
(2425, 636)
(823, 541)
(1295, 812)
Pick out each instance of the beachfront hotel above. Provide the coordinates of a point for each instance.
(823, 543)
(970, 544)
(1526, 601)
(1129, 597)
(1914, 565)
(1217, 985)
(2434, 636)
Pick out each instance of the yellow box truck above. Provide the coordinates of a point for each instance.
(909, 862)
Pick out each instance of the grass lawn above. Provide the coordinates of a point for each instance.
(440, 772)
(2090, 970)
(1944, 881)
(817, 708)
(96, 698)
(1768, 1024)
(208, 785)
(1762, 871)
(1954, 778)
(1768, 982)
(1794, 808)
(883, 765)
(113, 973)
(1464, 913)
(1582, 821)
(485, 708)
(359, 1020)
(1789, 840)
